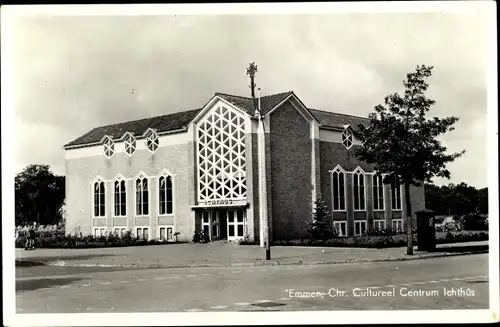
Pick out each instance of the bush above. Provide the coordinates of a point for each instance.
(321, 227)
(59, 240)
(381, 241)
(475, 222)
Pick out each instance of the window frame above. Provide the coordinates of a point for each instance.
(120, 179)
(340, 223)
(360, 222)
(153, 137)
(166, 227)
(347, 136)
(375, 221)
(130, 142)
(374, 177)
(399, 220)
(337, 170)
(400, 197)
(100, 229)
(142, 228)
(356, 173)
(165, 174)
(108, 144)
(99, 181)
(142, 177)
(219, 122)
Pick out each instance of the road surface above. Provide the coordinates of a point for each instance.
(458, 282)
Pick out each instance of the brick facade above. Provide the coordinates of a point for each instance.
(300, 154)
(80, 172)
(290, 162)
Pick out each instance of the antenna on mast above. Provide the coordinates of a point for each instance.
(251, 70)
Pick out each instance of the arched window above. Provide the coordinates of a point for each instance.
(120, 198)
(338, 185)
(166, 195)
(359, 189)
(99, 199)
(152, 141)
(141, 197)
(378, 192)
(109, 147)
(347, 137)
(130, 144)
(396, 195)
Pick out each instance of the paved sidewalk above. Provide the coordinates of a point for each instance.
(228, 254)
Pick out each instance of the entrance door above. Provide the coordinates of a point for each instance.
(235, 224)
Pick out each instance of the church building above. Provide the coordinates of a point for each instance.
(166, 177)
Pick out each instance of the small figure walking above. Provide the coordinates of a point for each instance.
(30, 239)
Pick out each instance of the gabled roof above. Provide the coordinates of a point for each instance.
(170, 122)
(267, 102)
(180, 120)
(336, 120)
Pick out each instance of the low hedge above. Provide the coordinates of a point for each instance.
(73, 242)
(386, 241)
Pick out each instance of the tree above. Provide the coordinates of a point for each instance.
(320, 227)
(482, 200)
(39, 195)
(456, 199)
(402, 142)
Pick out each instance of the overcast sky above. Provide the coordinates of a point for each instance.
(78, 72)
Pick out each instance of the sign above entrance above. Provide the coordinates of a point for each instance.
(222, 203)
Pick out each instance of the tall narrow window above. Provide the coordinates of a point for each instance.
(359, 190)
(166, 195)
(338, 185)
(347, 137)
(152, 141)
(130, 145)
(109, 147)
(120, 198)
(378, 192)
(99, 199)
(141, 197)
(396, 195)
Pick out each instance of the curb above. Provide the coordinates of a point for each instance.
(251, 264)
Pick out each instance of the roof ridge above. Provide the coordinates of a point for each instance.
(249, 98)
(232, 95)
(271, 95)
(338, 113)
(147, 118)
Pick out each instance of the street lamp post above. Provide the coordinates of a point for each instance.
(264, 221)
(263, 182)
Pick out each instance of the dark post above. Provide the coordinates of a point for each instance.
(251, 70)
(425, 230)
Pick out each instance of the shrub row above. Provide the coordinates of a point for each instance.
(69, 241)
(384, 241)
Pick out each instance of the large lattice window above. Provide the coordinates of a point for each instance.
(141, 196)
(378, 192)
(165, 195)
(221, 155)
(120, 198)
(99, 199)
(359, 189)
(338, 186)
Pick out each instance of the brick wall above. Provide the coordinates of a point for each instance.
(290, 144)
(333, 154)
(81, 171)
